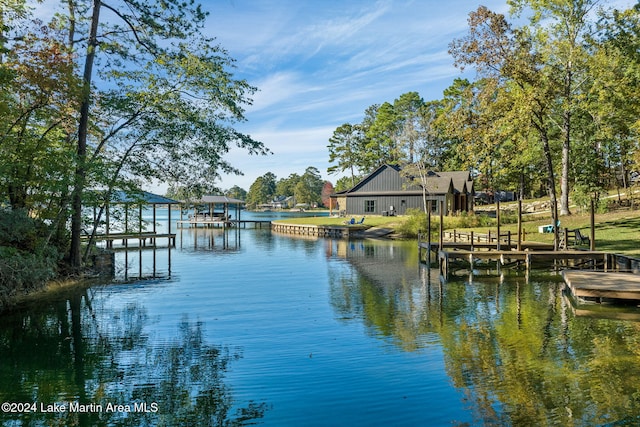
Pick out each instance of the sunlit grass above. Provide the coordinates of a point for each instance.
(616, 232)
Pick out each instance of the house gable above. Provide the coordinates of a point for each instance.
(387, 191)
(386, 178)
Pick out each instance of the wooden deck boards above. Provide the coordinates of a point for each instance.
(223, 223)
(142, 238)
(527, 257)
(595, 284)
(485, 245)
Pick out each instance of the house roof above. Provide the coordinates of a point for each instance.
(219, 200)
(437, 183)
(462, 181)
(143, 196)
(371, 176)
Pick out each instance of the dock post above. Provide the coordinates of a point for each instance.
(441, 224)
(429, 234)
(592, 243)
(498, 222)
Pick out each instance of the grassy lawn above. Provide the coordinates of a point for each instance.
(617, 232)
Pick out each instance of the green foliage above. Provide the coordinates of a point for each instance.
(163, 108)
(236, 192)
(347, 182)
(27, 260)
(345, 149)
(262, 190)
(416, 223)
(309, 188)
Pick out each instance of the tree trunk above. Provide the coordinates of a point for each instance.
(75, 257)
(538, 123)
(552, 188)
(564, 180)
(566, 130)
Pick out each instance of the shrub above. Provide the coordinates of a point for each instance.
(27, 261)
(417, 222)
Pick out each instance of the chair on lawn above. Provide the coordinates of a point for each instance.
(580, 239)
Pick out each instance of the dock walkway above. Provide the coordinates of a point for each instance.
(141, 237)
(337, 231)
(508, 253)
(527, 257)
(599, 285)
(219, 222)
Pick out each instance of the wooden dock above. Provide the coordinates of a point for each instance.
(470, 246)
(142, 238)
(506, 253)
(337, 231)
(603, 285)
(217, 222)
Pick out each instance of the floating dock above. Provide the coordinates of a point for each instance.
(603, 285)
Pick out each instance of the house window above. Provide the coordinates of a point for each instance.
(369, 206)
(434, 206)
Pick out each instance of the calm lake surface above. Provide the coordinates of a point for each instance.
(243, 327)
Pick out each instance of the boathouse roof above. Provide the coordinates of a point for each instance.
(143, 197)
(219, 199)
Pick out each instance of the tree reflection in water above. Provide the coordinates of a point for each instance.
(511, 343)
(69, 352)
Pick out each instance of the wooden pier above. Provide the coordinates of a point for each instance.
(603, 285)
(339, 232)
(507, 253)
(218, 222)
(142, 238)
(528, 257)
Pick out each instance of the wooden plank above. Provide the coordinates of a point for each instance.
(475, 245)
(594, 284)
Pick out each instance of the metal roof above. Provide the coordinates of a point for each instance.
(141, 197)
(219, 199)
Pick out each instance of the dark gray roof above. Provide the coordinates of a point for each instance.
(220, 200)
(141, 197)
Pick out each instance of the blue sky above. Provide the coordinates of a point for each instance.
(321, 63)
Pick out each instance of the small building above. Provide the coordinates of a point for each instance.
(387, 192)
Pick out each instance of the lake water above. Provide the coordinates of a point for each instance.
(238, 327)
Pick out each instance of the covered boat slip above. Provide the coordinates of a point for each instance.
(141, 235)
(209, 217)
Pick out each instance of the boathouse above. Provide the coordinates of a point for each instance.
(121, 227)
(386, 191)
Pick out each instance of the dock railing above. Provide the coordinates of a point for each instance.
(471, 237)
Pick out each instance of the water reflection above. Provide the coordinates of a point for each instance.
(390, 293)
(218, 239)
(89, 366)
(331, 332)
(141, 263)
(512, 343)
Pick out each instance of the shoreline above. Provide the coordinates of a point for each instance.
(54, 289)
